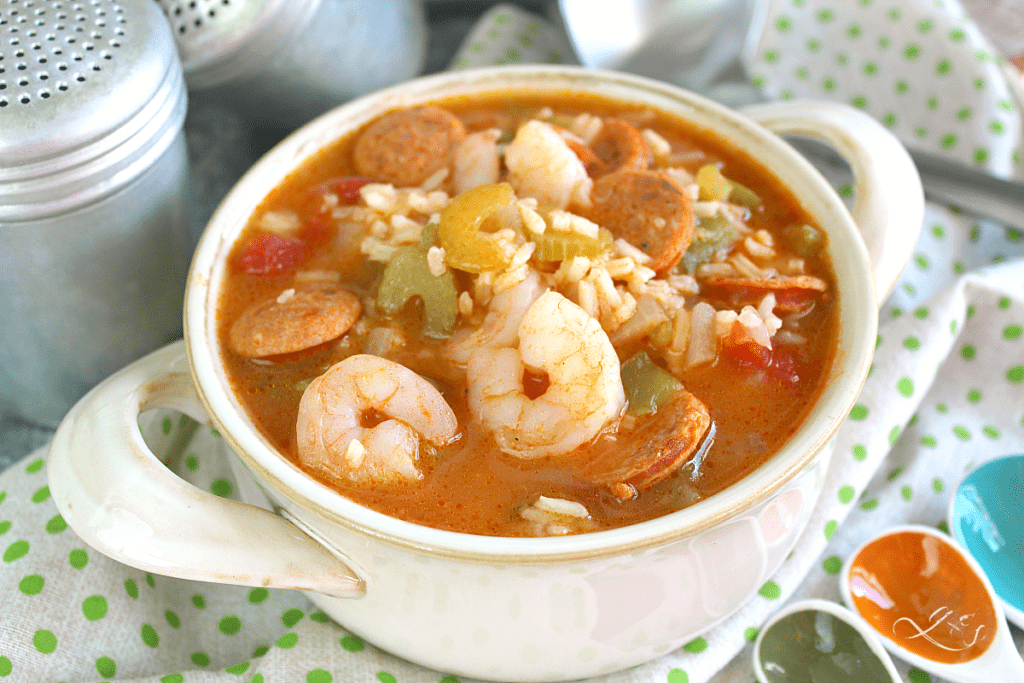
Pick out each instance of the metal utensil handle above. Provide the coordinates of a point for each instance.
(121, 500)
(889, 205)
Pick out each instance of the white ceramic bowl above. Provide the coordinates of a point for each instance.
(529, 609)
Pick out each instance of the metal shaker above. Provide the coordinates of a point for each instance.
(284, 62)
(94, 233)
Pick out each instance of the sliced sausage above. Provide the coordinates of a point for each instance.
(663, 443)
(405, 147)
(792, 293)
(595, 167)
(290, 322)
(620, 145)
(649, 210)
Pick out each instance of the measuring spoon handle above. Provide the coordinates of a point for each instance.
(1001, 662)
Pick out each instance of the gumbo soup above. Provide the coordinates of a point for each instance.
(524, 315)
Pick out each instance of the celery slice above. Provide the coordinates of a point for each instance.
(804, 239)
(744, 196)
(465, 247)
(408, 275)
(647, 386)
(559, 246)
(709, 236)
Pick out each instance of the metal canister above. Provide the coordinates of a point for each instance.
(95, 238)
(283, 62)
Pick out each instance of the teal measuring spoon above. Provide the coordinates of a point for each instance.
(817, 641)
(986, 516)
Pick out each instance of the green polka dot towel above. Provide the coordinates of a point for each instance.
(922, 67)
(506, 34)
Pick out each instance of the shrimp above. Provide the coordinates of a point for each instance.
(500, 327)
(406, 147)
(297, 319)
(476, 161)
(330, 432)
(584, 394)
(541, 165)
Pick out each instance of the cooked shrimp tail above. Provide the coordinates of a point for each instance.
(584, 394)
(500, 327)
(330, 430)
(541, 165)
(476, 161)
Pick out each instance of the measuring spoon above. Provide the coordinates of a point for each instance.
(932, 605)
(816, 641)
(985, 518)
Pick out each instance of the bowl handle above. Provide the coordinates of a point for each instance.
(120, 499)
(889, 205)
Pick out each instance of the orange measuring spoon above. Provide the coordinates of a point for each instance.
(932, 605)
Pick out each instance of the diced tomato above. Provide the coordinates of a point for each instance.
(742, 347)
(270, 255)
(316, 230)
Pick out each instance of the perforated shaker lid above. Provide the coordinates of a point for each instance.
(83, 84)
(220, 41)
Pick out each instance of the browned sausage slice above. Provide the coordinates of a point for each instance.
(792, 293)
(663, 443)
(315, 314)
(620, 145)
(649, 210)
(595, 167)
(407, 146)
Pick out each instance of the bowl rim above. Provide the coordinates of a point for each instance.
(858, 320)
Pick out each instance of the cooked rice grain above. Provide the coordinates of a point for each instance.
(284, 223)
(435, 261)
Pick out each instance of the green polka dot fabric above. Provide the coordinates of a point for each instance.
(506, 34)
(945, 394)
(921, 67)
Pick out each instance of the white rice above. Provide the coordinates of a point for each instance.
(624, 248)
(283, 223)
(355, 453)
(302, 276)
(586, 297)
(560, 506)
(435, 261)
(435, 179)
(465, 304)
(660, 147)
